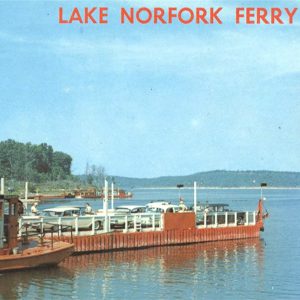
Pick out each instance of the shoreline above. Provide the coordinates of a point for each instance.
(217, 188)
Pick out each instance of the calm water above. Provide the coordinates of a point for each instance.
(265, 268)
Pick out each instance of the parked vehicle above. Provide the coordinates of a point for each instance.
(67, 215)
(156, 203)
(130, 209)
(162, 207)
(213, 207)
(143, 217)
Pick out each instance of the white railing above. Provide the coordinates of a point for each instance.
(94, 224)
(225, 219)
(90, 225)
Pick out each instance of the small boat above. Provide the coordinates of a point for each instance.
(92, 193)
(37, 256)
(40, 197)
(16, 254)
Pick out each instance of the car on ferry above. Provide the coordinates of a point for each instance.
(157, 202)
(134, 214)
(120, 213)
(130, 209)
(162, 207)
(67, 216)
(213, 207)
(210, 210)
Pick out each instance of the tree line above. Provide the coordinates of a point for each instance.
(36, 163)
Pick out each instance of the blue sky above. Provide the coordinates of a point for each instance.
(147, 101)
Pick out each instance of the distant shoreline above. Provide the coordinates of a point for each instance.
(217, 188)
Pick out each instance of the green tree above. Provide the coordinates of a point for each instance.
(36, 163)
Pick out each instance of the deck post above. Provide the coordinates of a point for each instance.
(59, 226)
(226, 218)
(76, 225)
(254, 218)
(105, 205)
(42, 225)
(126, 223)
(93, 225)
(235, 219)
(109, 223)
(2, 186)
(153, 222)
(204, 218)
(112, 195)
(20, 227)
(247, 218)
(105, 224)
(134, 223)
(216, 219)
(195, 197)
(26, 196)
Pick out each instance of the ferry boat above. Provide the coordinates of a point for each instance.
(119, 194)
(161, 226)
(25, 252)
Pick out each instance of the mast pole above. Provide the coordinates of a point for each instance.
(195, 197)
(112, 195)
(2, 187)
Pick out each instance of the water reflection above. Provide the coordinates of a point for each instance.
(36, 283)
(171, 257)
(154, 269)
(245, 269)
(152, 273)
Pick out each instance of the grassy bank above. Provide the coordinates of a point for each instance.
(48, 187)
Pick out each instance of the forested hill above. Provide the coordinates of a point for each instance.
(35, 163)
(40, 163)
(217, 179)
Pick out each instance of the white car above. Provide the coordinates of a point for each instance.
(68, 215)
(157, 203)
(137, 212)
(130, 209)
(162, 207)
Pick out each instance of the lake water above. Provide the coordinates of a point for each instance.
(265, 268)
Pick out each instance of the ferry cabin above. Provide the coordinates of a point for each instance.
(9, 214)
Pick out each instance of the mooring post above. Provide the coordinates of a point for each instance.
(105, 203)
(26, 196)
(195, 197)
(112, 195)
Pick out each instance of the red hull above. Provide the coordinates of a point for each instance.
(122, 241)
(179, 229)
